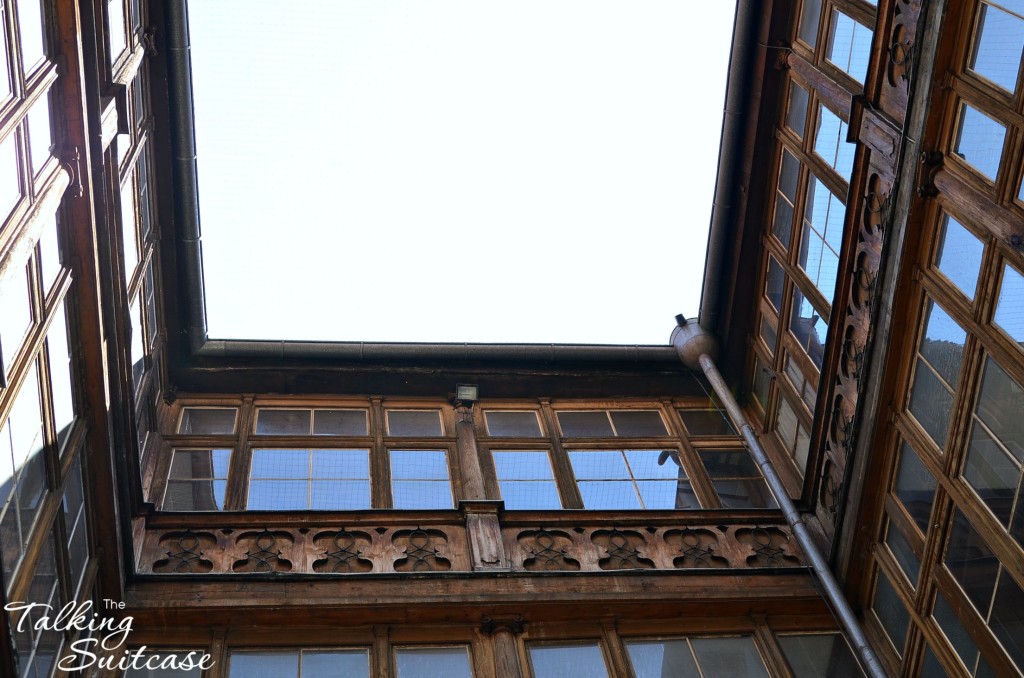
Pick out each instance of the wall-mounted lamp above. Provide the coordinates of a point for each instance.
(466, 394)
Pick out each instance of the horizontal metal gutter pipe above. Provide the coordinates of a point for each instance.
(695, 348)
(375, 351)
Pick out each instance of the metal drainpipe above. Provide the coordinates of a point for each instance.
(696, 348)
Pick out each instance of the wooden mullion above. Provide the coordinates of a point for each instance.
(568, 490)
(241, 459)
(380, 459)
(702, 486)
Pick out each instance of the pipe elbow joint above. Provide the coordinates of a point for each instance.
(690, 341)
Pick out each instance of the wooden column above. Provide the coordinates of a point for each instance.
(469, 458)
(503, 634)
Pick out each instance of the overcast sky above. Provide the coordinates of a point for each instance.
(456, 170)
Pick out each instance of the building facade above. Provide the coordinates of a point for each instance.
(336, 509)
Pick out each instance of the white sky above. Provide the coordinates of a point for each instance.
(456, 170)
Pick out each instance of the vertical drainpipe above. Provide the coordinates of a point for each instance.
(697, 349)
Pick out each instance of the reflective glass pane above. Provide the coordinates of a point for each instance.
(419, 464)
(822, 654)
(1010, 307)
(822, 237)
(972, 563)
(979, 141)
(585, 424)
(729, 464)
(999, 41)
(796, 114)
(512, 424)
(914, 487)
(558, 661)
(1000, 404)
(195, 464)
(164, 658)
(526, 480)
(930, 403)
(15, 314)
(39, 135)
(904, 554)
(1007, 618)
(10, 184)
(638, 423)
(129, 233)
(992, 473)
(335, 664)
(138, 345)
(667, 494)
(194, 495)
(728, 657)
(341, 464)
(421, 494)
(116, 29)
(849, 46)
(955, 632)
(207, 420)
(598, 465)
(49, 254)
(414, 423)
(280, 464)
(809, 328)
(433, 662)
(263, 665)
(340, 423)
(745, 493)
(339, 495)
(706, 423)
(785, 198)
(60, 374)
(959, 255)
(609, 494)
(810, 12)
(654, 464)
(774, 281)
(662, 659)
(891, 613)
(522, 465)
(530, 495)
(30, 20)
(278, 495)
(830, 142)
(283, 422)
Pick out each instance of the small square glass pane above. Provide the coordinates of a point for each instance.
(809, 327)
(532, 495)
(903, 553)
(1010, 306)
(729, 464)
(432, 662)
(207, 420)
(558, 661)
(39, 134)
(654, 464)
(594, 424)
(914, 486)
(522, 465)
(197, 464)
(421, 494)
(195, 495)
(1001, 399)
(609, 494)
(339, 423)
(810, 13)
(662, 658)
(774, 281)
(638, 423)
(507, 424)
(943, 344)
(341, 464)
(414, 423)
(166, 657)
(335, 664)
(280, 422)
(30, 20)
(979, 141)
(15, 315)
(49, 254)
(278, 495)
(959, 255)
(891, 612)
(973, 564)
(60, 374)
(998, 44)
(744, 493)
(278, 664)
(830, 142)
(796, 114)
(339, 495)
(710, 422)
(10, 185)
(599, 465)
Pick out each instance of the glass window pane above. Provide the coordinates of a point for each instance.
(796, 114)
(116, 32)
(903, 553)
(943, 343)
(972, 563)
(340, 423)
(954, 630)
(1010, 307)
(891, 613)
(195, 495)
(165, 656)
(728, 657)
(598, 465)
(785, 198)
(512, 424)
(809, 328)
(335, 664)
(638, 423)
(414, 423)
(196, 464)
(746, 493)
(822, 237)
(419, 464)
(341, 464)
(979, 141)
(609, 494)
(280, 464)
(207, 420)
(558, 661)
(585, 424)
(654, 464)
(668, 495)
(914, 487)
(421, 494)
(830, 142)
(263, 665)
(129, 228)
(959, 255)
(992, 473)
(711, 422)
(283, 422)
(931, 403)
(278, 495)
(522, 465)
(340, 495)
(10, 184)
(49, 254)
(30, 20)
(822, 654)
(60, 374)
(1007, 618)
(420, 479)
(15, 314)
(809, 15)
(729, 464)
(530, 495)
(849, 46)
(526, 480)
(774, 281)
(662, 659)
(998, 44)
(39, 135)
(433, 662)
